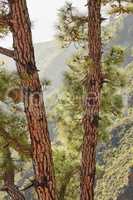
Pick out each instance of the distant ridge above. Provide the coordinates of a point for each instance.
(51, 61)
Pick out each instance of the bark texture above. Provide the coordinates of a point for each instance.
(92, 101)
(9, 183)
(20, 27)
(11, 188)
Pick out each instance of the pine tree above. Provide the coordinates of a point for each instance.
(17, 19)
(91, 118)
(73, 29)
(68, 112)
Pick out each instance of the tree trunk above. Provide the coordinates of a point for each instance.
(92, 102)
(11, 188)
(20, 26)
(9, 175)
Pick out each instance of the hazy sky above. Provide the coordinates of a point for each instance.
(43, 14)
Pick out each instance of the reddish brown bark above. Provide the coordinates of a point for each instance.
(9, 183)
(23, 54)
(11, 188)
(92, 102)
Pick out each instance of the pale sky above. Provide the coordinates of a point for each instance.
(43, 14)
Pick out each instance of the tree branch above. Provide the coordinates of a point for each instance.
(15, 143)
(28, 187)
(7, 52)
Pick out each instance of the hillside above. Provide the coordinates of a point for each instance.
(117, 156)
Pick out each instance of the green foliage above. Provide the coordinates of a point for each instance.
(72, 25)
(116, 56)
(111, 101)
(118, 160)
(8, 80)
(15, 126)
(68, 111)
(6, 162)
(13, 129)
(67, 174)
(129, 74)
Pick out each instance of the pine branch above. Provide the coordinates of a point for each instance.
(15, 143)
(7, 52)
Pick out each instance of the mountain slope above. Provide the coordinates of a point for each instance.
(117, 155)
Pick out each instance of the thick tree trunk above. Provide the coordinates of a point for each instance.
(92, 102)
(20, 26)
